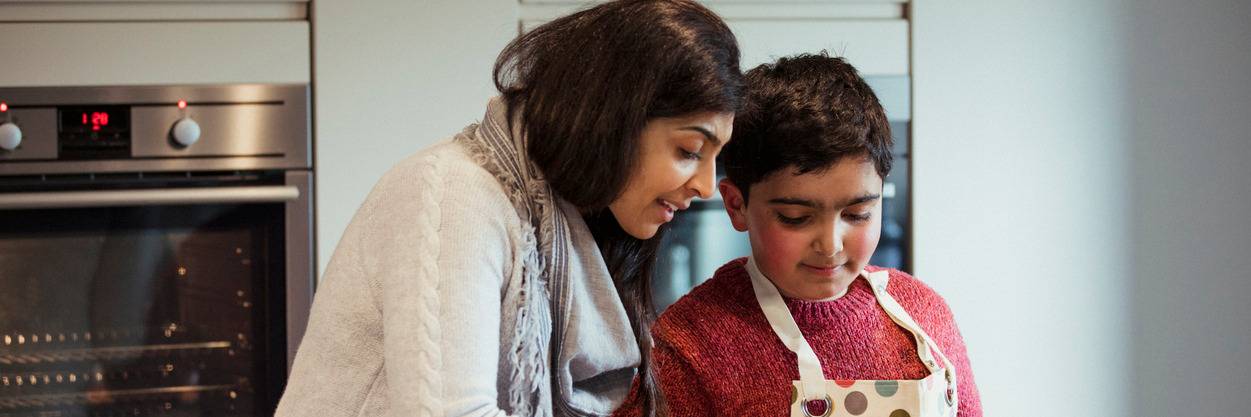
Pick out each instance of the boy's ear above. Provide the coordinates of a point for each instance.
(735, 205)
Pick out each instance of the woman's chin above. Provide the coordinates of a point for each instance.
(642, 231)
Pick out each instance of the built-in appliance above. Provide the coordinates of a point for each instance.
(156, 251)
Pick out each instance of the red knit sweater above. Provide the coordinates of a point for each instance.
(716, 355)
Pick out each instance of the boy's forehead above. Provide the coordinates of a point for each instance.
(844, 180)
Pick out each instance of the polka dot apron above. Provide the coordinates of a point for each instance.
(814, 396)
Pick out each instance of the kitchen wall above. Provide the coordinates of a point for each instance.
(1022, 177)
(392, 77)
(1190, 101)
(1081, 191)
(1079, 179)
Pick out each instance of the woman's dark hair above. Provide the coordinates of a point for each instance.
(585, 85)
(807, 112)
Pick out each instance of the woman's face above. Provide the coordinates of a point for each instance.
(812, 233)
(677, 162)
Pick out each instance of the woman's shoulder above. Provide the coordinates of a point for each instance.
(443, 172)
(445, 162)
(438, 191)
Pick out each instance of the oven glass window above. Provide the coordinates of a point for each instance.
(140, 311)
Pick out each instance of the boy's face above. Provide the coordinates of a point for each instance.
(811, 234)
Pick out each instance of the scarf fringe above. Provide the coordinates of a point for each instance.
(501, 152)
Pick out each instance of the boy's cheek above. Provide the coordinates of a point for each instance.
(862, 244)
(779, 246)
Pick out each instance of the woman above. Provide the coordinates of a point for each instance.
(507, 270)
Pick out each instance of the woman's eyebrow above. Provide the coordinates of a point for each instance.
(707, 134)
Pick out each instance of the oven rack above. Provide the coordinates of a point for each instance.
(113, 353)
(104, 397)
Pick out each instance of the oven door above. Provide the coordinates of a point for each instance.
(174, 301)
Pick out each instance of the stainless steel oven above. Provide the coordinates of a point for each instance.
(156, 250)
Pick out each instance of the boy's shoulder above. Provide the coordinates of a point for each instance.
(727, 295)
(913, 294)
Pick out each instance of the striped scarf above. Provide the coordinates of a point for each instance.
(541, 304)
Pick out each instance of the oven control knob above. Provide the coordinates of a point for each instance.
(186, 131)
(10, 136)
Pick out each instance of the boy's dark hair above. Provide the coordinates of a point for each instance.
(586, 84)
(808, 112)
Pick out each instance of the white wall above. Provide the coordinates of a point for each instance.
(1191, 101)
(391, 77)
(1021, 191)
(1079, 179)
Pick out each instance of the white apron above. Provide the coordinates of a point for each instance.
(815, 396)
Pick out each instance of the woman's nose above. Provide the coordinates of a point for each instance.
(704, 180)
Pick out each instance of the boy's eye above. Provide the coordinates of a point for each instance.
(858, 217)
(792, 220)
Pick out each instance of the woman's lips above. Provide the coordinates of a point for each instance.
(667, 210)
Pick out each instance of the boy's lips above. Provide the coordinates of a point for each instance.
(827, 270)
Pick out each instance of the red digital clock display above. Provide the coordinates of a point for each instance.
(95, 119)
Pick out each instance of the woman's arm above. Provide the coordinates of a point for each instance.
(443, 250)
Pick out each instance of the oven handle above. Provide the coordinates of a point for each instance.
(155, 197)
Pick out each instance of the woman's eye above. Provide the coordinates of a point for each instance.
(792, 220)
(690, 155)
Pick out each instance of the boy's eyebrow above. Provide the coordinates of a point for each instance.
(818, 205)
(861, 199)
(796, 202)
(707, 134)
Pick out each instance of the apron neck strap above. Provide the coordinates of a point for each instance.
(811, 376)
(926, 347)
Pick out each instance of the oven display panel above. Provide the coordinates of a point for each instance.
(93, 132)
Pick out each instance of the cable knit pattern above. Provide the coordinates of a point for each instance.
(430, 356)
(717, 356)
(417, 313)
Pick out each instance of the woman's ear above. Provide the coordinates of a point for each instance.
(735, 204)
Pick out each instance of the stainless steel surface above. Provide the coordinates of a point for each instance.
(245, 127)
(300, 261)
(234, 207)
(158, 197)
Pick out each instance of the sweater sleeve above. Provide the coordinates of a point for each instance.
(935, 316)
(685, 393)
(441, 251)
(953, 346)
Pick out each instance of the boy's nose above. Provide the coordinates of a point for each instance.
(831, 241)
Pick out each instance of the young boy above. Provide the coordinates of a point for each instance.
(804, 175)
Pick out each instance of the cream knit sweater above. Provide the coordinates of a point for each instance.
(407, 318)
